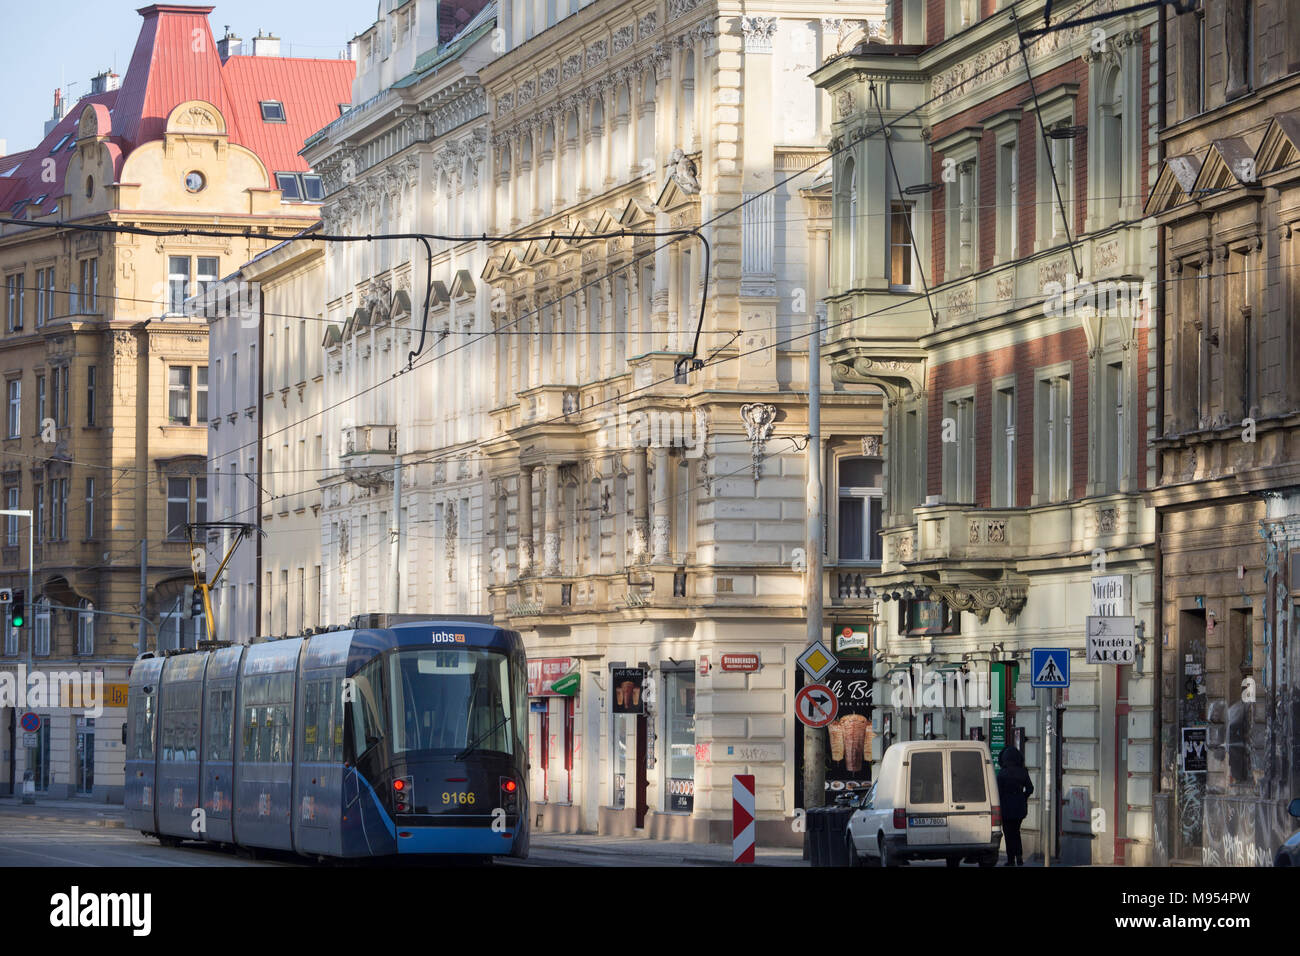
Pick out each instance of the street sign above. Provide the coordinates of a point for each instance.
(742, 818)
(704, 665)
(567, 685)
(1050, 667)
(746, 663)
(817, 661)
(31, 740)
(30, 722)
(816, 705)
(1195, 755)
(1112, 640)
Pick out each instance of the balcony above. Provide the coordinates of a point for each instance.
(367, 455)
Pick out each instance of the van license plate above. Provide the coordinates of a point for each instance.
(927, 821)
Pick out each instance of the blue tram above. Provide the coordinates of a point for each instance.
(407, 739)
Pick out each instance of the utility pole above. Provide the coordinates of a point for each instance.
(814, 742)
(144, 592)
(396, 575)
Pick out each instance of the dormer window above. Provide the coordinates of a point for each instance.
(59, 145)
(272, 111)
(312, 189)
(289, 189)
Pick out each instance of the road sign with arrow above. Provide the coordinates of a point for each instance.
(816, 705)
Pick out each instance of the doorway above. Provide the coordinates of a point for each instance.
(85, 755)
(641, 781)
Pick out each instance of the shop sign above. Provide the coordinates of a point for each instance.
(848, 756)
(1111, 640)
(681, 794)
(544, 672)
(851, 643)
(745, 663)
(1110, 595)
(567, 685)
(628, 684)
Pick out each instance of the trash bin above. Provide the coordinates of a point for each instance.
(837, 821)
(817, 833)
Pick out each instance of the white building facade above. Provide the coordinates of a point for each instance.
(410, 159)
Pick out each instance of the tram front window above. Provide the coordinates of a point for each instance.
(450, 699)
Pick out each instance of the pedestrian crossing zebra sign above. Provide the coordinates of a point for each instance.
(1050, 667)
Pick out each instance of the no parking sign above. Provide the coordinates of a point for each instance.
(30, 722)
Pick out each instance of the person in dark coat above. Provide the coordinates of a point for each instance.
(1014, 790)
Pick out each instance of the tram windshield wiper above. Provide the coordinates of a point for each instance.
(470, 747)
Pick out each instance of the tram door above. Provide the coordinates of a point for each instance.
(85, 754)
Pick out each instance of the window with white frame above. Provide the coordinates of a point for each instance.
(957, 435)
(1055, 186)
(44, 296)
(15, 421)
(14, 301)
(89, 285)
(1007, 206)
(859, 516)
(11, 521)
(902, 254)
(91, 529)
(178, 283)
(960, 152)
(1052, 464)
(91, 375)
(86, 628)
(1114, 430)
(41, 627)
(60, 376)
(1004, 446)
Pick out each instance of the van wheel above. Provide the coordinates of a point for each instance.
(854, 859)
(888, 857)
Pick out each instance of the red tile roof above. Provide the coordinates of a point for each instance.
(172, 64)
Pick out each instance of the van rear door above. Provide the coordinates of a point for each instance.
(970, 803)
(927, 798)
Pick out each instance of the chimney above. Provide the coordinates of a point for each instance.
(267, 45)
(228, 45)
(104, 82)
(60, 110)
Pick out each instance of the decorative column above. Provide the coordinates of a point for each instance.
(660, 529)
(551, 542)
(525, 520)
(641, 519)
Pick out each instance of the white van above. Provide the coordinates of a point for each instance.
(932, 799)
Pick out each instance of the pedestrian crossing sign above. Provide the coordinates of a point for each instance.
(1050, 667)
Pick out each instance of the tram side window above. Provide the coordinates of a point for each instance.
(218, 728)
(310, 734)
(366, 708)
(322, 724)
(143, 724)
(268, 718)
(180, 719)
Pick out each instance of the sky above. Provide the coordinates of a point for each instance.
(63, 43)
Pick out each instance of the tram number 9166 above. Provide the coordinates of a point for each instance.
(457, 797)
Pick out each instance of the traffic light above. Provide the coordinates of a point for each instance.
(196, 603)
(17, 614)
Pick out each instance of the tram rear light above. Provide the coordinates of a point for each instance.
(403, 793)
(509, 786)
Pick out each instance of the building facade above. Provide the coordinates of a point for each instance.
(1226, 203)
(991, 273)
(411, 158)
(107, 376)
(648, 512)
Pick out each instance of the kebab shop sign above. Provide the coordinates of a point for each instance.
(544, 672)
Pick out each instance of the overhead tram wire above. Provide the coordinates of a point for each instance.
(517, 238)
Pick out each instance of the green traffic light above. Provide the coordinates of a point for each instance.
(18, 620)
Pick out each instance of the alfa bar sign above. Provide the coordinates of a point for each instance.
(745, 663)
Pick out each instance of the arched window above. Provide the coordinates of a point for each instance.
(851, 211)
(526, 201)
(546, 171)
(85, 628)
(1111, 120)
(686, 106)
(645, 117)
(595, 132)
(622, 126)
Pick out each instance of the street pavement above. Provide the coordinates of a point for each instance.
(82, 833)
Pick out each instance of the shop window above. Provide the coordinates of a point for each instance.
(679, 716)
